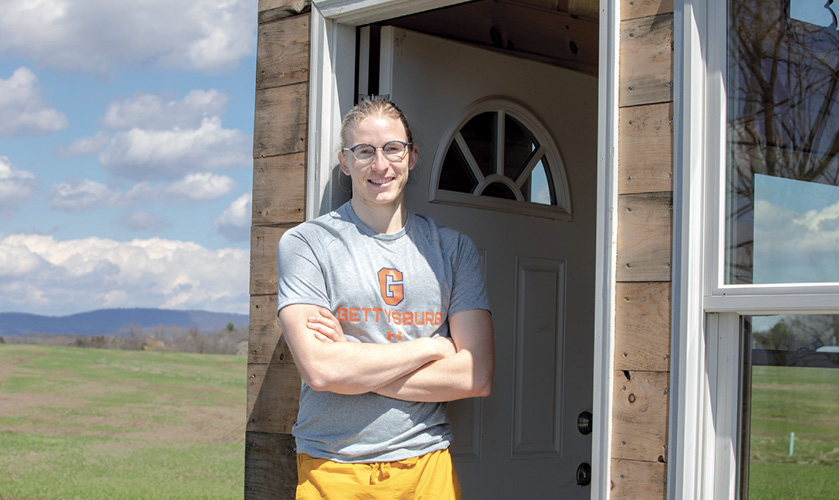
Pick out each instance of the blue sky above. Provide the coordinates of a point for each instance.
(125, 154)
(796, 231)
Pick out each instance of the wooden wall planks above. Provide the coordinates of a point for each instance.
(281, 120)
(644, 251)
(273, 391)
(282, 55)
(644, 237)
(646, 60)
(639, 418)
(632, 480)
(633, 9)
(642, 326)
(646, 149)
(279, 201)
(265, 344)
(279, 189)
(270, 466)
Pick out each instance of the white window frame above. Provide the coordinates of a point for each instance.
(547, 149)
(332, 51)
(705, 374)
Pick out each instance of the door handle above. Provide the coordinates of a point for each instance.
(584, 474)
(584, 423)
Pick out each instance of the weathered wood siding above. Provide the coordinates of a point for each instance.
(645, 203)
(279, 201)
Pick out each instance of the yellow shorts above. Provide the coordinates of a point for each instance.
(428, 477)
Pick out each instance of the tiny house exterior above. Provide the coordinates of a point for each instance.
(615, 164)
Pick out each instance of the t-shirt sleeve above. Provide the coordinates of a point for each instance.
(468, 288)
(300, 275)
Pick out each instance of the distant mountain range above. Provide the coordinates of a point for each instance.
(115, 321)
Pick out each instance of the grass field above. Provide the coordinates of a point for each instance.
(110, 424)
(804, 401)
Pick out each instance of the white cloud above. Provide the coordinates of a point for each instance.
(92, 35)
(147, 154)
(235, 222)
(84, 146)
(81, 195)
(142, 221)
(202, 187)
(23, 108)
(148, 111)
(39, 273)
(793, 247)
(16, 186)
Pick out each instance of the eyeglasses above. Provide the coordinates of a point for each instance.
(393, 151)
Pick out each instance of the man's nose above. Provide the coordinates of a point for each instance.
(379, 161)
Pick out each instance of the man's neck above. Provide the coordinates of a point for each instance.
(387, 219)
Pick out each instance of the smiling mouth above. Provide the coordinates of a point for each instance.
(379, 182)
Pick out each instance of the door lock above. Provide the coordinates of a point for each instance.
(584, 474)
(584, 423)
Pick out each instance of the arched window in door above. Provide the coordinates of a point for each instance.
(499, 156)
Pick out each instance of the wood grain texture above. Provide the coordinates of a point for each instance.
(273, 396)
(270, 466)
(264, 241)
(279, 189)
(265, 343)
(281, 119)
(642, 326)
(298, 5)
(645, 237)
(633, 480)
(633, 9)
(646, 60)
(282, 53)
(263, 311)
(646, 149)
(639, 415)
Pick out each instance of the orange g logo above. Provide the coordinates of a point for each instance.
(390, 284)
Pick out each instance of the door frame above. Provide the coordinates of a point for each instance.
(331, 84)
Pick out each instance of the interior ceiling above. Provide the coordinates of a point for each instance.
(558, 32)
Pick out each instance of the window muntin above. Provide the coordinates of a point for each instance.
(782, 202)
(500, 157)
(790, 410)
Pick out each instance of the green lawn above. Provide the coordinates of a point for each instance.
(804, 401)
(109, 424)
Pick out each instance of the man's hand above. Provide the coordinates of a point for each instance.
(326, 326)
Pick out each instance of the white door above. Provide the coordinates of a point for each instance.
(523, 440)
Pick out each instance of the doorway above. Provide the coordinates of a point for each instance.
(524, 439)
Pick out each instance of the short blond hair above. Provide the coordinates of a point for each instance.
(373, 108)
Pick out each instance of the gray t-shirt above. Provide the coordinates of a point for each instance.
(382, 288)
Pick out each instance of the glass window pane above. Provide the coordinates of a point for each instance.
(498, 190)
(479, 134)
(791, 407)
(783, 142)
(455, 174)
(519, 146)
(538, 188)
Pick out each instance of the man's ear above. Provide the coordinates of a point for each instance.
(344, 167)
(413, 157)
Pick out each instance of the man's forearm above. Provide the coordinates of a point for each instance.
(448, 379)
(356, 368)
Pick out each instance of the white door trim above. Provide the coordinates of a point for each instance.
(358, 12)
(607, 216)
(330, 95)
(687, 369)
